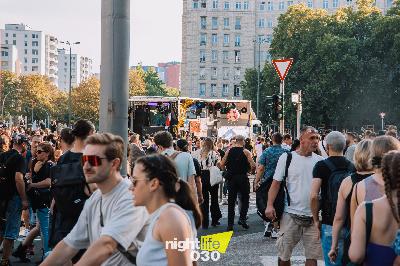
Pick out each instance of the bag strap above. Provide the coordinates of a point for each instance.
(128, 256)
(173, 156)
(288, 161)
(368, 221)
(330, 165)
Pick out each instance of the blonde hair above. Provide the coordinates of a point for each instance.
(363, 155)
(382, 145)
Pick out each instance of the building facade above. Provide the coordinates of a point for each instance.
(170, 74)
(9, 59)
(223, 38)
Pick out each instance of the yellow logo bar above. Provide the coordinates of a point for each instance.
(216, 242)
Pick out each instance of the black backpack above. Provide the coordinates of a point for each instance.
(7, 181)
(68, 188)
(279, 203)
(335, 180)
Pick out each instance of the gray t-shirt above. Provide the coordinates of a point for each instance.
(184, 164)
(122, 221)
(350, 153)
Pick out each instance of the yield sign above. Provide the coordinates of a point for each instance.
(282, 67)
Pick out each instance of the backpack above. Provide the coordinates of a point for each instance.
(279, 204)
(334, 181)
(68, 188)
(7, 182)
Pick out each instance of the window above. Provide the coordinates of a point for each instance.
(25, 60)
(237, 73)
(225, 56)
(35, 43)
(289, 3)
(202, 73)
(238, 24)
(195, 4)
(25, 68)
(6, 34)
(202, 56)
(237, 56)
(6, 41)
(281, 5)
(26, 35)
(214, 56)
(262, 6)
(335, 3)
(268, 38)
(310, 3)
(225, 89)
(269, 24)
(226, 39)
(349, 2)
(35, 36)
(261, 23)
(226, 5)
(14, 35)
(213, 90)
(4, 53)
(236, 90)
(237, 40)
(214, 23)
(202, 89)
(325, 4)
(203, 3)
(226, 23)
(246, 5)
(260, 39)
(203, 39)
(35, 52)
(215, 4)
(270, 6)
(238, 5)
(65, 64)
(203, 23)
(225, 73)
(214, 73)
(35, 60)
(214, 39)
(35, 68)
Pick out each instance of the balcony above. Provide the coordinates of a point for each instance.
(202, 59)
(203, 76)
(237, 44)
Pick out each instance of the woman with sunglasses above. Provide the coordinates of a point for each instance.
(174, 211)
(39, 195)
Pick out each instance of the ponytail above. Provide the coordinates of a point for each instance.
(185, 199)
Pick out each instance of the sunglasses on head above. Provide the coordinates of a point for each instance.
(93, 160)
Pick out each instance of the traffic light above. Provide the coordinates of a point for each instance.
(277, 105)
(269, 107)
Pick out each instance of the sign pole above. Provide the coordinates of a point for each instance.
(299, 110)
(282, 121)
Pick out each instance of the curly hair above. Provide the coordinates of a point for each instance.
(391, 176)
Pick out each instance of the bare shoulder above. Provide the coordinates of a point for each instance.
(173, 217)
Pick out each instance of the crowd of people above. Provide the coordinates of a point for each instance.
(324, 189)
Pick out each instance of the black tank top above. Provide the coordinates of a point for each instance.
(237, 163)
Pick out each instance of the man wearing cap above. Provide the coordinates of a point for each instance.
(12, 192)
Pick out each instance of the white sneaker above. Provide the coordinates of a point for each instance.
(274, 233)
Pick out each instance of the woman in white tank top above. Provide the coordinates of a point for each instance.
(174, 212)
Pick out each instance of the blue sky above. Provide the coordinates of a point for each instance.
(155, 25)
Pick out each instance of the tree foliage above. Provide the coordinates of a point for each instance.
(347, 65)
(86, 100)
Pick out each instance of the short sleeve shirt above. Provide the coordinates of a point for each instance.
(300, 175)
(322, 171)
(184, 164)
(122, 221)
(269, 160)
(16, 163)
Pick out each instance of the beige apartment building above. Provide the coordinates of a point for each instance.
(222, 38)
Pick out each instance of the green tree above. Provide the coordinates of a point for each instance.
(86, 100)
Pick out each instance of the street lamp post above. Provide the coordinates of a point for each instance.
(259, 42)
(382, 115)
(70, 79)
(2, 106)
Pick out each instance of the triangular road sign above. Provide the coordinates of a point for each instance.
(282, 66)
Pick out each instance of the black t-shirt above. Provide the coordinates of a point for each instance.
(70, 157)
(43, 173)
(322, 171)
(15, 162)
(197, 167)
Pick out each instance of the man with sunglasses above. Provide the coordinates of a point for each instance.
(110, 227)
